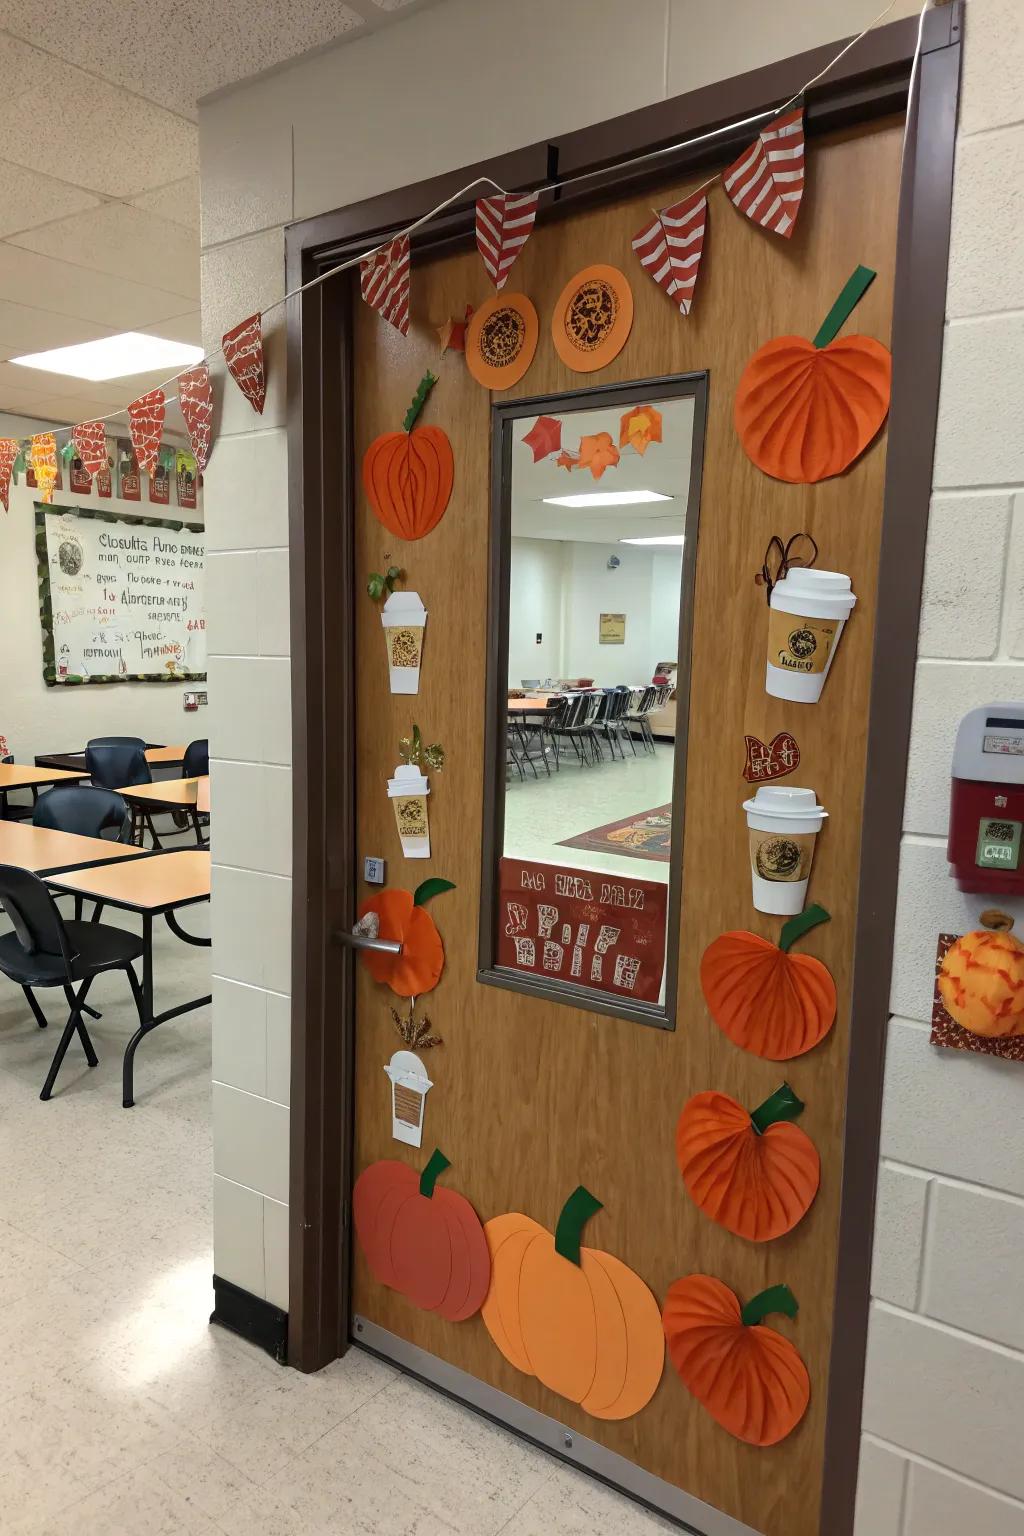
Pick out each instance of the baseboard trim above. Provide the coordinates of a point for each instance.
(251, 1318)
(689, 1513)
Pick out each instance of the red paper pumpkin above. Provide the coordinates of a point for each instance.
(421, 1239)
(767, 1001)
(749, 1378)
(408, 475)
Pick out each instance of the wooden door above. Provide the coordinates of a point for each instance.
(530, 1097)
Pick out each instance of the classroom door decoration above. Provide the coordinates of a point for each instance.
(670, 248)
(768, 1001)
(384, 282)
(404, 619)
(8, 454)
(577, 1318)
(410, 1084)
(503, 225)
(44, 464)
(195, 398)
(243, 353)
(766, 182)
(750, 1379)
(592, 319)
(90, 444)
(981, 979)
(408, 475)
(397, 914)
(421, 1238)
(501, 340)
(146, 426)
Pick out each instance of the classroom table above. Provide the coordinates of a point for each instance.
(45, 851)
(156, 757)
(155, 886)
(529, 706)
(21, 776)
(165, 794)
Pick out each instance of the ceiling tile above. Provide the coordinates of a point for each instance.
(108, 301)
(28, 198)
(25, 328)
(187, 328)
(178, 202)
(37, 380)
(124, 242)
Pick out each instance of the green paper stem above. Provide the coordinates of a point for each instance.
(433, 887)
(856, 287)
(432, 1172)
(801, 924)
(782, 1105)
(419, 399)
(777, 1298)
(576, 1212)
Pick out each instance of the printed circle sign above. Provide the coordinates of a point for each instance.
(501, 340)
(593, 318)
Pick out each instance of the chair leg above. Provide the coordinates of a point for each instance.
(73, 1026)
(33, 1002)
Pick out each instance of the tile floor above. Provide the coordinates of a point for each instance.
(123, 1413)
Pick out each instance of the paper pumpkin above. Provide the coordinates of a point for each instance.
(501, 340)
(592, 318)
(750, 1379)
(755, 1174)
(422, 1239)
(576, 1318)
(402, 915)
(804, 410)
(981, 979)
(408, 475)
(767, 1001)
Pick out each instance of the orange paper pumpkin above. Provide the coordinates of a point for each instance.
(981, 980)
(401, 915)
(767, 1001)
(576, 1318)
(754, 1174)
(420, 1239)
(592, 318)
(749, 1378)
(408, 475)
(804, 410)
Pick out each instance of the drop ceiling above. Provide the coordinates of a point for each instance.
(99, 167)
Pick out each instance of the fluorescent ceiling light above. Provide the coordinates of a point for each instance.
(659, 538)
(113, 357)
(606, 499)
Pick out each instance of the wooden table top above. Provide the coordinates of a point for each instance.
(20, 776)
(43, 850)
(176, 792)
(529, 705)
(157, 757)
(153, 884)
(165, 756)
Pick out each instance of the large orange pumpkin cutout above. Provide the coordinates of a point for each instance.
(576, 1318)
(804, 410)
(767, 1001)
(749, 1378)
(422, 1240)
(755, 1174)
(408, 475)
(402, 915)
(981, 979)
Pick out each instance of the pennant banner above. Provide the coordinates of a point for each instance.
(196, 401)
(243, 353)
(767, 181)
(44, 464)
(384, 283)
(670, 248)
(503, 226)
(89, 439)
(146, 425)
(8, 454)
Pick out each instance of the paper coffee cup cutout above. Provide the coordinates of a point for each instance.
(408, 792)
(409, 1088)
(783, 823)
(808, 611)
(404, 619)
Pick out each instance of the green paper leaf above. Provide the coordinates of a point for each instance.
(435, 886)
(419, 399)
(777, 1298)
(375, 585)
(854, 290)
(432, 1172)
(576, 1212)
(67, 452)
(782, 1105)
(801, 924)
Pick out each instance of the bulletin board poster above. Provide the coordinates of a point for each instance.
(604, 932)
(611, 629)
(121, 599)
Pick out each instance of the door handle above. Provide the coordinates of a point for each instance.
(360, 941)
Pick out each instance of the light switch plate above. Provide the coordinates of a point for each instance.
(373, 871)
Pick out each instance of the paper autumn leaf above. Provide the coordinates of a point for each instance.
(598, 453)
(544, 437)
(640, 427)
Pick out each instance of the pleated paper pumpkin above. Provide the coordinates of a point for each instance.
(408, 475)
(804, 410)
(576, 1318)
(422, 1239)
(755, 1174)
(767, 1001)
(750, 1379)
(981, 980)
(401, 915)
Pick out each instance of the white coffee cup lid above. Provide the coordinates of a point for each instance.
(402, 606)
(785, 800)
(409, 780)
(821, 586)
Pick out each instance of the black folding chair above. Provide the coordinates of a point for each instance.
(10, 812)
(45, 951)
(194, 765)
(118, 762)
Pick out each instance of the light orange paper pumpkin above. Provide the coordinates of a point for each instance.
(804, 410)
(750, 1379)
(767, 1001)
(755, 1174)
(408, 475)
(981, 980)
(402, 915)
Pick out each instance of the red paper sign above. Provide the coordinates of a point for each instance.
(602, 931)
(104, 482)
(90, 440)
(243, 353)
(196, 401)
(128, 474)
(160, 486)
(770, 759)
(80, 479)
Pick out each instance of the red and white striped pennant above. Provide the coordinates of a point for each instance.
(90, 442)
(767, 181)
(670, 248)
(503, 226)
(384, 282)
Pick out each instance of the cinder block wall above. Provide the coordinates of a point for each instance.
(943, 1405)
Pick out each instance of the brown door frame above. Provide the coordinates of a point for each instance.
(871, 81)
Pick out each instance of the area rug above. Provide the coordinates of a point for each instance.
(647, 835)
